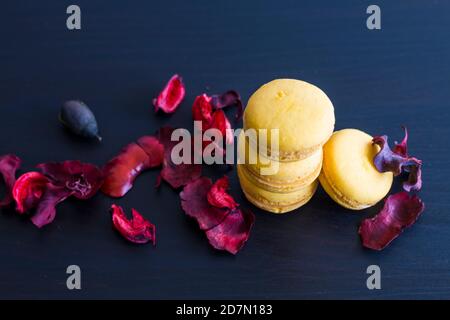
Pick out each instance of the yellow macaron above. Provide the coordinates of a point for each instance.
(302, 113)
(348, 173)
(275, 176)
(273, 201)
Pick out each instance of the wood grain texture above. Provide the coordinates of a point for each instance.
(377, 80)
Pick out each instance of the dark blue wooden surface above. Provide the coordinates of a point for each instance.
(377, 80)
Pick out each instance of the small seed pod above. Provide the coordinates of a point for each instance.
(78, 118)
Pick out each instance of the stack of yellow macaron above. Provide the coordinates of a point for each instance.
(286, 124)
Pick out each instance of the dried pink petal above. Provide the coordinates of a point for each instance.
(8, 166)
(46, 208)
(177, 175)
(232, 233)
(218, 197)
(398, 161)
(399, 212)
(83, 179)
(227, 99)
(137, 229)
(28, 190)
(227, 229)
(170, 98)
(121, 171)
(195, 204)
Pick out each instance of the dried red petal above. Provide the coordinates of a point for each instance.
(121, 171)
(227, 99)
(28, 190)
(227, 229)
(221, 123)
(195, 204)
(46, 208)
(202, 110)
(177, 175)
(402, 147)
(232, 233)
(398, 162)
(83, 179)
(8, 166)
(171, 96)
(218, 196)
(137, 229)
(399, 212)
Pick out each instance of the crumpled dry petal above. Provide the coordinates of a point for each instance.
(218, 197)
(46, 208)
(398, 161)
(226, 229)
(83, 179)
(229, 98)
(400, 211)
(171, 96)
(121, 171)
(195, 204)
(202, 110)
(28, 190)
(9, 164)
(177, 175)
(232, 233)
(136, 230)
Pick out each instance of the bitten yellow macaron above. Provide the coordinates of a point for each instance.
(303, 114)
(275, 176)
(273, 201)
(348, 173)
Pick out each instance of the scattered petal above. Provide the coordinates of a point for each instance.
(28, 190)
(221, 123)
(84, 179)
(399, 212)
(202, 110)
(171, 96)
(9, 164)
(195, 204)
(387, 160)
(218, 196)
(46, 208)
(227, 229)
(402, 147)
(233, 232)
(136, 230)
(227, 99)
(121, 171)
(177, 175)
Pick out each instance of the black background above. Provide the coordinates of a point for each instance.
(127, 50)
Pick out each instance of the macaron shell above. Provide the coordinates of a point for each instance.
(348, 173)
(278, 176)
(301, 111)
(272, 201)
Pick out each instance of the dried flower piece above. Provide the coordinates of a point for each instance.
(399, 212)
(227, 99)
(46, 208)
(218, 196)
(195, 204)
(9, 164)
(28, 190)
(136, 230)
(82, 179)
(121, 171)
(226, 226)
(171, 96)
(232, 233)
(398, 161)
(177, 175)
